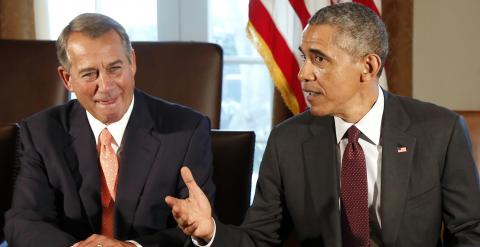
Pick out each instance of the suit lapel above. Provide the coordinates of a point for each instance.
(321, 168)
(81, 157)
(140, 147)
(397, 159)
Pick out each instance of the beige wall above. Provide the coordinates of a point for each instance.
(446, 53)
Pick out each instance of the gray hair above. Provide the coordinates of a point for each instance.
(93, 25)
(360, 30)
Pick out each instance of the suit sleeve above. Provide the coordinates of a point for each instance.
(265, 223)
(461, 191)
(32, 219)
(198, 158)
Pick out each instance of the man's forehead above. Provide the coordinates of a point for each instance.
(318, 35)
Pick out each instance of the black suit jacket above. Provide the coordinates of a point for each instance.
(57, 194)
(435, 180)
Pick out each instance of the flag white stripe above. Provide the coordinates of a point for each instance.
(314, 5)
(287, 22)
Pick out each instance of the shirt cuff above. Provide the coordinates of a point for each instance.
(134, 242)
(196, 241)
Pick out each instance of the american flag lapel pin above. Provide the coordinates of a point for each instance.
(401, 149)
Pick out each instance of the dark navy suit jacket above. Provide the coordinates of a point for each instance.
(57, 193)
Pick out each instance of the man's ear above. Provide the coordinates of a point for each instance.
(371, 67)
(133, 61)
(62, 72)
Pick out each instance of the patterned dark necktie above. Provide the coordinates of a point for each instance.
(354, 193)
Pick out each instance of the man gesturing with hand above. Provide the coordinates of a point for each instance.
(193, 214)
(361, 167)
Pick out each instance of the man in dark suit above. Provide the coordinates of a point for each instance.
(361, 167)
(95, 171)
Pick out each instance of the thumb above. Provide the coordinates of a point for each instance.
(189, 181)
(172, 201)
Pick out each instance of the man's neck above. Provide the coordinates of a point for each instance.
(355, 112)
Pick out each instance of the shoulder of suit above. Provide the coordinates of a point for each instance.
(167, 110)
(419, 110)
(55, 114)
(302, 121)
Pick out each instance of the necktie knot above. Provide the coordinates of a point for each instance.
(105, 137)
(353, 134)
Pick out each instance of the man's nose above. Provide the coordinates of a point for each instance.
(105, 81)
(306, 72)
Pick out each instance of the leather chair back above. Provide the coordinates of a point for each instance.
(188, 73)
(8, 137)
(232, 173)
(29, 81)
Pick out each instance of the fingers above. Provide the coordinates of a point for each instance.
(172, 201)
(189, 180)
(100, 240)
(179, 212)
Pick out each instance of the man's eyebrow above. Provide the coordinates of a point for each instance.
(116, 62)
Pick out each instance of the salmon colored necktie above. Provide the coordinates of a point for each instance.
(354, 193)
(108, 178)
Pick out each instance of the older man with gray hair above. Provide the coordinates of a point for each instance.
(95, 171)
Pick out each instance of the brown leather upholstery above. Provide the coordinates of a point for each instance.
(188, 73)
(8, 135)
(472, 118)
(29, 80)
(232, 173)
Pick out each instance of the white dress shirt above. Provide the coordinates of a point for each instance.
(116, 129)
(370, 126)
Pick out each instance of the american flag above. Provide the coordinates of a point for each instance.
(275, 28)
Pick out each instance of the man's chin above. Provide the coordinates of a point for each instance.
(318, 112)
(109, 117)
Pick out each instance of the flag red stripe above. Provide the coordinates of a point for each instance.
(370, 4)
(265, 26)
(301, 10)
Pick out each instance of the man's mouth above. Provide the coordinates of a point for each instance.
(106, 101)
(312, 93)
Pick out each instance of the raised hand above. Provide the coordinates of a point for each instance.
(193, 214)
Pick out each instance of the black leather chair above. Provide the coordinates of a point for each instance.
(188, 73)
(232, 173)
(29, 81)
(8, 137)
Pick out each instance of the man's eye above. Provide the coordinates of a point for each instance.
(90, 75)
(303, 57)
(115, 68)
(319, 59)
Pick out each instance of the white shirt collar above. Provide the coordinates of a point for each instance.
(116, 129)
(370, 125)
